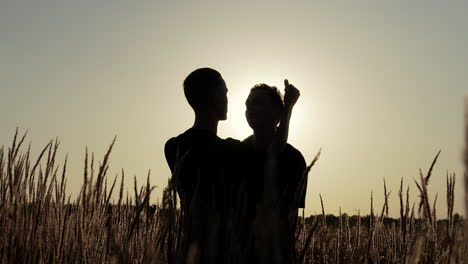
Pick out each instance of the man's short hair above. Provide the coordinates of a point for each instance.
(199, 85)
(274, 94)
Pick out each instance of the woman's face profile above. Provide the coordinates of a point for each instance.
(259, 110)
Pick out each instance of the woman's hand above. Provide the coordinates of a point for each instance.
(291, 94)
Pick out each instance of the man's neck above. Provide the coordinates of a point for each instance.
(207, 124)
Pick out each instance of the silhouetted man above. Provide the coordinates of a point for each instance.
(202, 164)
(283, 182)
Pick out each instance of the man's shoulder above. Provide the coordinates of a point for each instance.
(170, 150)
(171, 142)
(234, 144)
(194, 137)
(232, 140)
(174, 144)
(171, 145)
(249, 140)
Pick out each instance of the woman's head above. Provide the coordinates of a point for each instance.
(264, 107)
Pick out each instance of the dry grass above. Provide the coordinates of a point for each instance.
(40, 223)
(465, 159)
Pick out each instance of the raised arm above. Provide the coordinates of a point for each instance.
(268, 209)
(291, 95)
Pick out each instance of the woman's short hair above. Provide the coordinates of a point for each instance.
(274, 93)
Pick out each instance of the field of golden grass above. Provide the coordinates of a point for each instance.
(40, 223)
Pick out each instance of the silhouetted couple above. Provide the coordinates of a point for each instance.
(239, 199)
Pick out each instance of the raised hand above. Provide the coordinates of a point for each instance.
(291, 94)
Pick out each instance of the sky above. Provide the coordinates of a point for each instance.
(382, 85)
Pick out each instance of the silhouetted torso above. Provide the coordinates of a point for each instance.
(207, 180)
(291, 166)
(200, 165)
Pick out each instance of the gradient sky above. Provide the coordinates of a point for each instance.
(382, 84)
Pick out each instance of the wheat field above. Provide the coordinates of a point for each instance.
(41, 223)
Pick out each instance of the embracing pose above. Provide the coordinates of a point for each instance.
(229, 188)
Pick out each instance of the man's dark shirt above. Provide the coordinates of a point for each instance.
(196, 154)
(210, 163)
(208, 173)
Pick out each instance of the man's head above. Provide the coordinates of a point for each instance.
(206, 92)
(264, 107)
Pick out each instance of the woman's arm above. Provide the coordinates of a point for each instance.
(268, 209)
(291, 95)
